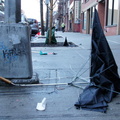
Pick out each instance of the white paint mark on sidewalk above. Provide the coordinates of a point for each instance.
(81, 55)
(114, 42)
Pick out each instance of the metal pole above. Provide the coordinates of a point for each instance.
(118, 28)
(42, 22)
(12, 13)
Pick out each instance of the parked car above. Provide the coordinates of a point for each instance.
(39, 25)
(2, 5)
(1, 16)
(34, 25)
(23, 20)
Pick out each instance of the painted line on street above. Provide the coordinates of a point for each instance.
(80, 55)
(82, 47)
(114, 42)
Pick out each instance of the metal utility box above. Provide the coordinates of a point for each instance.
(15, 51)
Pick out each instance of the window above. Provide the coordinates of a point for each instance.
(115, 15)
(84, 20)
(92, 15)
(86, 1)
(112, 12)
(82, 1)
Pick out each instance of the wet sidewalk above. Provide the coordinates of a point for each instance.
(55, 72)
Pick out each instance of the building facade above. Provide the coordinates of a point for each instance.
(78, 15)
(73, 15)
(109, 14)
(69, 13)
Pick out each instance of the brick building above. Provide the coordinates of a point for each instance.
(109, 13)
(69, 13)
(74, 16)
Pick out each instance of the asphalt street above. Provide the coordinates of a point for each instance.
(55, 72)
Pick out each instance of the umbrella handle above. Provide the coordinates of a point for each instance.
(5, 80)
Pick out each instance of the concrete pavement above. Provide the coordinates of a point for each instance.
(18, 103)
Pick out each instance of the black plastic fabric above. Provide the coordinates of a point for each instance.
(105, 81)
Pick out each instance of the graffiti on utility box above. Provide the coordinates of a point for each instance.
(12, 54)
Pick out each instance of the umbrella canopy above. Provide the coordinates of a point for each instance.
(104, 78)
